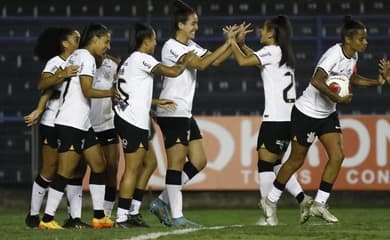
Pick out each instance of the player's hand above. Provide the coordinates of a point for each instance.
(243, 30)
(230, 32)
(69, 71)
(32, 118)
(167, 104)
(345, 100)
(115, 96)
(188, 58)
(384, 71)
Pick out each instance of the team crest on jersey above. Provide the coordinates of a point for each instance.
(310, 137)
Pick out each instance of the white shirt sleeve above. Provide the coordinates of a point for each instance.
(148, 63)
(269, 55)
(87, 65)
(328, 60)
(52, 65)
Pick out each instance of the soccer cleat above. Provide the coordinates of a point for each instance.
(137, 221)
(261, 222)
(304, 208)
(104, 222)
(269, 209)
(32, 221)
(321, 211)
(75, 223)
(52, 225)
(160, 209)
(183, 222)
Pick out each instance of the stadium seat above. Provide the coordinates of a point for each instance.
(378, 7)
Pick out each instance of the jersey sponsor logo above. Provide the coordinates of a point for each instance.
(310, 137)
(146, 64)
(266, 54)
(282, 144)
(173, 53)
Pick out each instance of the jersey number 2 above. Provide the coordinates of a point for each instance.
(288, 88)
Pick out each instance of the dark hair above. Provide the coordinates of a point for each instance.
(181, 13)
(283, 33)
(137, 35)
(93, 29)
(350, 27)
(49, 43)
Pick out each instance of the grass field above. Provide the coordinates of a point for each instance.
(354, 224)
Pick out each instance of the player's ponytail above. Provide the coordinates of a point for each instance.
(350, 27)
(181, 13)
(137, 35)
(93, 29)
(283, 33)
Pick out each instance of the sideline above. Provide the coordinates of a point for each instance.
(156, 235)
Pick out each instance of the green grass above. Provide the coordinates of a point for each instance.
(356, 224)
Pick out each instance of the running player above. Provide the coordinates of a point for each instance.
(182, 137)
(135, 83)
(277, 63)
(74, 130)
(314, 114)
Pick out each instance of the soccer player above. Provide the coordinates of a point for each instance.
(102, 120)
(277, 63)
(53, 47)
(74, 130)
(182, 137)
(314, 114)
(135, 84)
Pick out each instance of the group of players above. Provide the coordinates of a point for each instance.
(83, 116)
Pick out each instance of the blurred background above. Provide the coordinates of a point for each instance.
(221, 93)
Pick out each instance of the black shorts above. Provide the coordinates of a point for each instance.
(70, 139)
(90, 139)
(304, 129)
(108, 137)
(178, 130)
(132, 136)
(274, 136)
(48, 136)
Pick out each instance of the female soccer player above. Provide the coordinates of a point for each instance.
(277, 63)
(74, 130)
(182, 137)
(314, 114)
(135, 84)
(102, 120)
(54, 46)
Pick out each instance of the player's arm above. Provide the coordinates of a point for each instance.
(165, 104)
(48, 80)
(244, 60)
(361, 81)
(201, 63)
(90, 92)
(32, 118)
(175, 70)
(319, 81)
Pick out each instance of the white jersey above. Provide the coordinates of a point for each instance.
(279, 85)
(180, 89)
(101, 115)
(52, 105)
(312, 102)
(75, 107)
(135, 81)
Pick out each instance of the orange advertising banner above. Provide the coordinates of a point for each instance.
(230, 144)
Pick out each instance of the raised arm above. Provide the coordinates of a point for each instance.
(176, 70)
